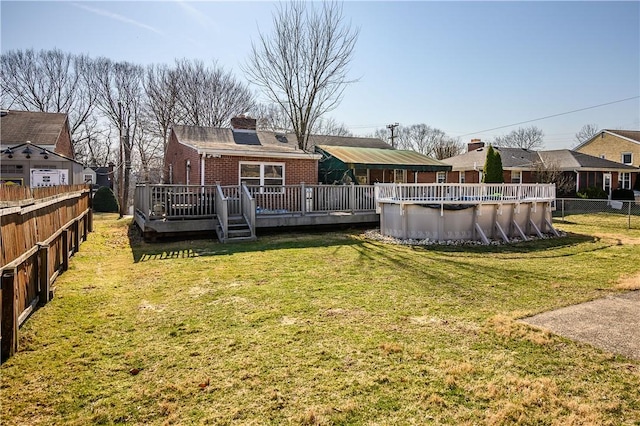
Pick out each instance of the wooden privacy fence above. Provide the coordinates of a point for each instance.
(39, 229)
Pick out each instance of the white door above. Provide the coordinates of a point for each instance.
(606, 183)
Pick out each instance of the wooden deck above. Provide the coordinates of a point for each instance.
(233, 213)
(166, 210)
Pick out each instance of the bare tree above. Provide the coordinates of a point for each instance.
(161, 89)
(447, 148)
(52, 81)
(271, 117)
(549, 172)
(585, 133)
(120, 91)
(531, 137)
(424, 139)
(209, 96)
(302, 66)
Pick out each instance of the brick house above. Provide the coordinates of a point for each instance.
(206, 156)
(579, 170)
(622, 146)
(37, 150)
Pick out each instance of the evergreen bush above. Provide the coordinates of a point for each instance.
(105, 201)
(493, 172)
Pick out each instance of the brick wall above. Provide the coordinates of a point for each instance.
(612, 148)
(177, 156)
(63, 143)
(226, 170)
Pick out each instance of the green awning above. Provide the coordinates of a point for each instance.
(376, 158)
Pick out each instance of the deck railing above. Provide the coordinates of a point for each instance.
(160, 202)
(305, 199)
(248, 204)
(460, 193)
(222, 210)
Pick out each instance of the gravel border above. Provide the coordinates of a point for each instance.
(374, 234)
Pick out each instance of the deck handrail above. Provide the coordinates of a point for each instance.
(222, 210)
(248, 205)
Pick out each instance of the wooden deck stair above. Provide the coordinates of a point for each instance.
(238, 230)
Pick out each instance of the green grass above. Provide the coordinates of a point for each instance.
(325, 328)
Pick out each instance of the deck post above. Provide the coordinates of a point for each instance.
(303, 196)
(352, 196)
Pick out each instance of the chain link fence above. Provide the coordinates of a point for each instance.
(605, 213)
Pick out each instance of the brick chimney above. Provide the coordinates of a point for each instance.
(243, 124)
(474, 144)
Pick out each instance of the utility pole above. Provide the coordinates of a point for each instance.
(392, 128)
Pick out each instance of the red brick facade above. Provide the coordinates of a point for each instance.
(63, 143)
(226, 169)
(175, 163)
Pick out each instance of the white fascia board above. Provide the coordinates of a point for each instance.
(260, 154)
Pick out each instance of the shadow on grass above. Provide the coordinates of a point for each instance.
(196, 247)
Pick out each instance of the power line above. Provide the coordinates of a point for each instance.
(551, 116)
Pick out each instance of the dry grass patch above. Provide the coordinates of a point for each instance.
(630, 282)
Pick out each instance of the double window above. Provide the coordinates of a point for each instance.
(624, 181)
(268, 176)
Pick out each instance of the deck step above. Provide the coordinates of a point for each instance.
(237, 230)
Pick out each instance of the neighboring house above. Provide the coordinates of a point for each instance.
(99, 176)
(345, 164)
(206, 156)
(622, 146)
(36, 150)
(578, 170)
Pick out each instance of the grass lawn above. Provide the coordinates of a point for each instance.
(325, 328)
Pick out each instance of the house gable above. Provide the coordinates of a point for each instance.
(44, 129)
(612, 144)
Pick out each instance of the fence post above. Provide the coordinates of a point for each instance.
(563, 209)
(65, 249)
(43, 274)
(85, 226)
(629, 217)
(76, 236)
(9, 336)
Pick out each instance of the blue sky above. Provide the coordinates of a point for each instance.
(463, 67)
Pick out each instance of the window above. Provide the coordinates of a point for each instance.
(461, 176)
(441, 177)
(362, 176)
(516, 176)
(624, 181)
(268, 175)
(11, 169)
(400, 176)
(627, 158)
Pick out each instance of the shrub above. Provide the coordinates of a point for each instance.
(105, 201)
(593, 192)
(493, 167)
(622, 194)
